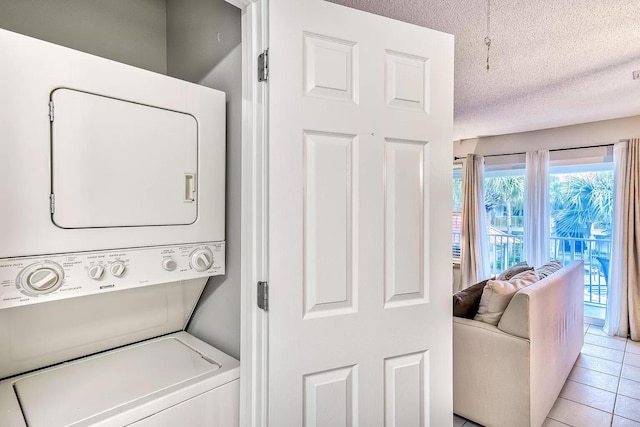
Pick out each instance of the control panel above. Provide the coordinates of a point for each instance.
(33, 280)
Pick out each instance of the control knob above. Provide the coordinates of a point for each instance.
(40, 278)
(201, 259)
(169, 264)
(118, 268)
(95, 272)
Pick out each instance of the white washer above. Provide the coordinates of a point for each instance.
(167, 381)
(60, 322)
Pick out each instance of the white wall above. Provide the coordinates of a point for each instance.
(131, 32)
(594, 133)
(194, 54)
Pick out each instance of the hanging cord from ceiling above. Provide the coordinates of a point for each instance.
(487, 39)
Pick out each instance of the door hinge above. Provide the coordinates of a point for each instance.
(50, 111)
(52, 203)
(263, 66)
(263, 295)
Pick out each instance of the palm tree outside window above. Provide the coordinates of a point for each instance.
(581, 222)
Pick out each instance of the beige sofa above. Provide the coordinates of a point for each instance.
(510, 375)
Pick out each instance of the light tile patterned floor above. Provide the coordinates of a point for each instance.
(603, 389)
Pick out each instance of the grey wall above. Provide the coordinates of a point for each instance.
(200, 33)
(217, 317)
(128, 31)
(194, 54)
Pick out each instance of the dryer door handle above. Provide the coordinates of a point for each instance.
(189, 187)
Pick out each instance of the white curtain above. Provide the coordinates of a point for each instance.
(474, 265)
(616, 304)
(536, 208)
(623, 306)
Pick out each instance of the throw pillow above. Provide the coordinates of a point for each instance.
(548, 268)
(525, 273)
(466, 301)
(512, 271)
(497, 296)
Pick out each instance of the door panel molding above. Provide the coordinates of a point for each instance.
(406, 232)
(330, 287)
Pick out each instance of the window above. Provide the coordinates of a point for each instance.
(457, 211)
(581, 203)
(504, 204)
(503, 199)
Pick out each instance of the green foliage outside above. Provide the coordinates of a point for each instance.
(504, 195)
(581, 205)
(580, 202)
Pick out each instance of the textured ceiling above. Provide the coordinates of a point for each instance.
(553, 63)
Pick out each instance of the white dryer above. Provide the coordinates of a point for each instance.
(95, 154)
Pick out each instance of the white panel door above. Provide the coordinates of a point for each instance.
(360, 155)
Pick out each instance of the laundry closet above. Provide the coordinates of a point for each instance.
(223, 212)
(123, 295)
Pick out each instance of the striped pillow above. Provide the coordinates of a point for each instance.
(548, 268)
(513, 271)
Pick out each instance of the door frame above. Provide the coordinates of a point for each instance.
(254, 225)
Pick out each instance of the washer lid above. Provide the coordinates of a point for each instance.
(82, 389)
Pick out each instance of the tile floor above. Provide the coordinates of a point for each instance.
(603, 389)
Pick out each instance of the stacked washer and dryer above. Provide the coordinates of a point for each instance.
(112, 218)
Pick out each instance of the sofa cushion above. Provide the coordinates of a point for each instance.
(467, 301)
(514, 270)
(548, 268)
(497, 295)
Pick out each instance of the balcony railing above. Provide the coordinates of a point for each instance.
(506, 222)
(596, 254)
(506, 250)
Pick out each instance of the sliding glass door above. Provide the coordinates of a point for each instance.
(581, 218)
